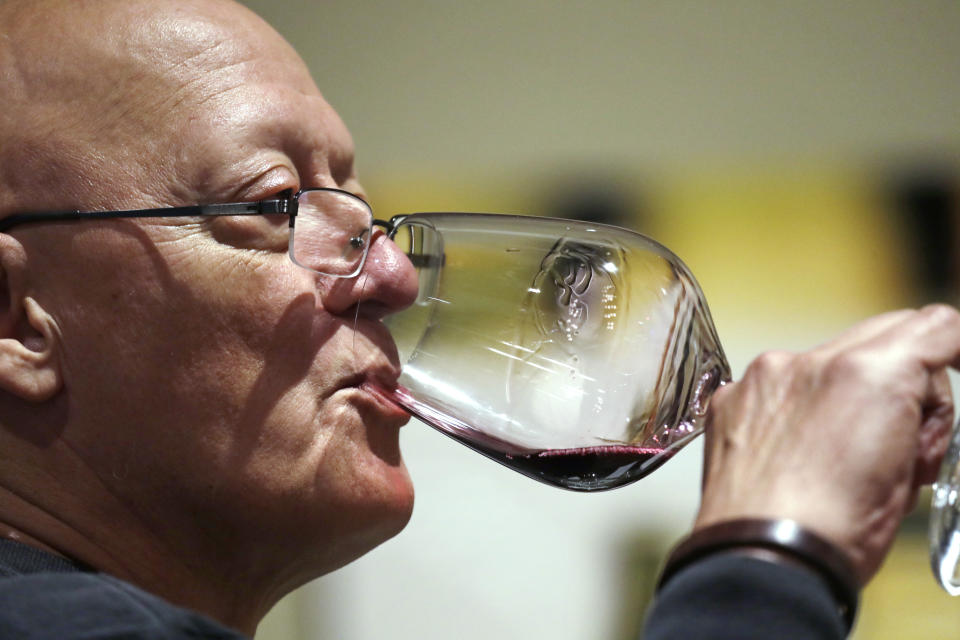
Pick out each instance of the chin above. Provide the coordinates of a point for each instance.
(394, 505)
(383, 476)
(397, 509)
(363, 494)
(380, 511)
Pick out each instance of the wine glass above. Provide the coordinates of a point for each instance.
(945, 519)
(579, 354)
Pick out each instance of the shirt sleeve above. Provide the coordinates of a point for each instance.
(733, 597)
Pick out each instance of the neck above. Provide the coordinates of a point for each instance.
(102, 534)
(8, 532)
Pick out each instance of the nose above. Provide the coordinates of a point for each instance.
(387, 283)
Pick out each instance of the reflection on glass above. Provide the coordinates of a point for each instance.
(578, 354)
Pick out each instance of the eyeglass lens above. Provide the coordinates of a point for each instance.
(331, 232)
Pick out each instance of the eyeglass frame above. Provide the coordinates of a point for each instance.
(284, 205)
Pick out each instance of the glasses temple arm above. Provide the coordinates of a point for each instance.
(279, 205)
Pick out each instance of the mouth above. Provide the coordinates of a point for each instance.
(381, 395)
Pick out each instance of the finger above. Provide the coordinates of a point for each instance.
(937, 424)
(866, 330)
(928, 338)
(931, 335)
(719, 397)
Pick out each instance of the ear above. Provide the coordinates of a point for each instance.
(29, 336)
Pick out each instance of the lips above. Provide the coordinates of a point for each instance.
(374, 378)
(379, 377)
(382, 397)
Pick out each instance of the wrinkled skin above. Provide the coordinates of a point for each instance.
(182, 404)
(839, 438)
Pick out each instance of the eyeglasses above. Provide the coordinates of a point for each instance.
(330, 229)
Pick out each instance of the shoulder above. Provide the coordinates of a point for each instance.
(94, 607)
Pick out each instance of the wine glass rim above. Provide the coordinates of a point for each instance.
(571, 223)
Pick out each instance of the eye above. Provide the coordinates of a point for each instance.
(269, 232)
(280, 219)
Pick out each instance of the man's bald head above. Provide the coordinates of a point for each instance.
(98, 92)
(205, 432)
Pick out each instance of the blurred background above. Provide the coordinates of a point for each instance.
(803, 158)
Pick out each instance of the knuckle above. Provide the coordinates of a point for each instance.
(768, 363)
(809, 362)
(940, 314)
(849, 365)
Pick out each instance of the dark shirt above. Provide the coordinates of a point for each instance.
(734, 597)
(43, 596)
(723, 597)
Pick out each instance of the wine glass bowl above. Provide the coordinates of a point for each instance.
(945, 519)
(578, 354)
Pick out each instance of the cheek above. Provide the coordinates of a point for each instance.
(221, 366)
(322, 474)
(198, 338)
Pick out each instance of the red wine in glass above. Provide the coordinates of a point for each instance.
(594, 468)
(584, 468)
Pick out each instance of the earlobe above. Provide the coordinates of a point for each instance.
(29, 337)
(29, 363)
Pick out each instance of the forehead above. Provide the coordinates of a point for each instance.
(257, 112)
(186, 92)
(242, 90)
